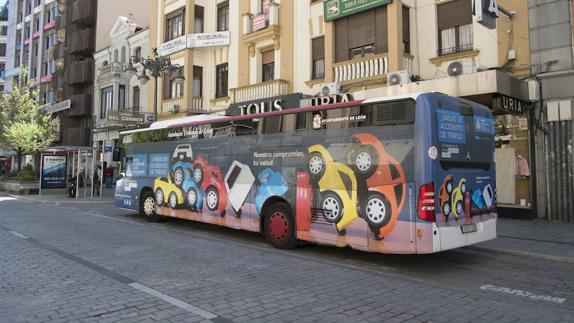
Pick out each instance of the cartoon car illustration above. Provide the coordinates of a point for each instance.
(444, 195)
(180, 169)
(304, 198)
(182, 152)
(238, 182)
(211, 182)
(270, 183)
(386, 184)
(166, 192)
(488, 196)
(457, 202)
(337, 186)
(193, 193)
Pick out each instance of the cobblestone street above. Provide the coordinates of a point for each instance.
(99, 263)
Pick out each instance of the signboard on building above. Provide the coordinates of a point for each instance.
(173, 46)
(53, 172)
(335, 9)
(486, 12)
(126, 117)
(57, 107)
(323, 100)
(208, 39)
(108, 150)
(505, 104)
(259, 21)
(276, 103)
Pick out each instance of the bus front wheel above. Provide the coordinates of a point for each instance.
(279, 226)
(147, 207)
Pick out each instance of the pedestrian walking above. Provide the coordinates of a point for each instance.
(109, 176)
(97, 176)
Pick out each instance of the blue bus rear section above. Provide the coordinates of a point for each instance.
(347, 181)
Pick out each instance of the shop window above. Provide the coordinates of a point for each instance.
(197, 81)
(318, 47)
(361, 35)
(268, 66)
(223, 16)
(455, 27)
(174, 25)
(221, 79)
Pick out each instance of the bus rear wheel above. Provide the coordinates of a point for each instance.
(147, 207)
(279, 226)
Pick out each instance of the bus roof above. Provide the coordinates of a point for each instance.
(210, 118)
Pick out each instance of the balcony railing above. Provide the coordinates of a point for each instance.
(365, 67)
(50, 25)
(262, 20)
(197, 103)
(259, 91)
(408, 62)
(46, 79)
(174, 105)
(113, 68)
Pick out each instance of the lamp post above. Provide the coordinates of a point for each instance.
(156, 67)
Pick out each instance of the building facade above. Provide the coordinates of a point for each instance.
(3, 41)
(120, 99)
(551, 41)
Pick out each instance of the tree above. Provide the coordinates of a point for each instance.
(24, 128)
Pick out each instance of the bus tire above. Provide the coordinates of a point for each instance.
(147, 207)
(178, 175)
(279, 226)
(316, 166)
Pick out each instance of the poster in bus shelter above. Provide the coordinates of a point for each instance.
(53, 172)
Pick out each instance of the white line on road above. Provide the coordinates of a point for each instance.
(2, 199)
(518, 292)
(174, 301)
(19, 235)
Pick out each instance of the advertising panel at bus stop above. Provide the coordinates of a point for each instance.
(53, 172)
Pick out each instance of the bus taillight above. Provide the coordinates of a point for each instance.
(426, 203)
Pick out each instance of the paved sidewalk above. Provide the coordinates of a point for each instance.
(534, 238)
(59, 199)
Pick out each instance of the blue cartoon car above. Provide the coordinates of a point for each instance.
(180, 171)
(271, 183)
(191, 191)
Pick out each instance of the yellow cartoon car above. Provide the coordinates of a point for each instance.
(458, 199)
(166, 192)
(337, 186)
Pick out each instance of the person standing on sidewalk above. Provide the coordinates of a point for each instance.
(97, 176)
(109, 176)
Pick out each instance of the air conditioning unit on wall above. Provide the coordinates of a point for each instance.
(329, 89)
(398, 78)
(461, 67)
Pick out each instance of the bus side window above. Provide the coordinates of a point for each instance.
(272, 124)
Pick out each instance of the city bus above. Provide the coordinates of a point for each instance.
(406, 174)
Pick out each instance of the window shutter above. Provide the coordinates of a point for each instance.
(455, 13)
(318, 48)
(362, 32)
(381, 23)
(268, 57)
(341, 40)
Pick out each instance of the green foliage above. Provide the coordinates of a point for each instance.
(26, 175)
(23, 126)
(150, 136)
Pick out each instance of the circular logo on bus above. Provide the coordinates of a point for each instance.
(433, 152)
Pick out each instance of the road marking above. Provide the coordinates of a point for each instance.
(518, 292)
(3, 199)
(174, 301)
(19, 235)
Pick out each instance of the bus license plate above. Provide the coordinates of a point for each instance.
(468, 228)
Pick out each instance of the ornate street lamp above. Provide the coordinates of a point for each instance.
(156, 67)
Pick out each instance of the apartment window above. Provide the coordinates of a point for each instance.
(172, 89)
(198, 23)
(268, 65)
(221, 79)
(455, 27)
(223, 16)
(38, 2)
(35, 49)
(2, 69)
(51, 14)
(406, 30)
(3, 50)
(107, 100)
(4, 30)
(123, 55)
(175, 24)
(49, 67)
(36, 25)
(51, 40)
(136, 99)
(49, 96)
(362, 34)
(122, 97)
(116, 56)
(318, 55)
(17, 59)
(138, 52)
(197, 81)
(28, 8)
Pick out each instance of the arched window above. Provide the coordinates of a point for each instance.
(138, 52)
(123, 55)
(116, 56)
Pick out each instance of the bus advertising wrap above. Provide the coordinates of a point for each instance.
(53, 172)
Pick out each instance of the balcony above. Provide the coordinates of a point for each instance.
(110, 71)
(46, 79)
(81, 105)
(50, 25)
(84, 12)
(196, 103)
(82, 42)
(174, 105)
(36, 34)
(81, 72)
(360, 69)
(27, 41)
(262, 25)
(259, 91)
(408, 63)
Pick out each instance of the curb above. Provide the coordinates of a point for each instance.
(71, 202)
(566, 260)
